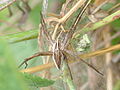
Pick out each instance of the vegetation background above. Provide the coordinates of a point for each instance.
(19, 28)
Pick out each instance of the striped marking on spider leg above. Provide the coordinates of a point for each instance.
(57, 55)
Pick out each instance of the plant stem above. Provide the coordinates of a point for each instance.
(83, 56)
(98, 24)
(21, 36)
(27, 35)
(7, 5)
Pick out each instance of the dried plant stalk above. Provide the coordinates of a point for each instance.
(7, 5)
(72, 10)
(83, 56)
(108, 58)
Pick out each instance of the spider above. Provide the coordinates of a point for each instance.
(59, 47)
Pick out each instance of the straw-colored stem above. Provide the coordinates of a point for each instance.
(83, 56)
(99, 24)
(34, 33)
(72, 10)
(7, 5)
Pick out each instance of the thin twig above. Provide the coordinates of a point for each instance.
(83, 56)
(16, 17)
(32, 34)
(72, 10)
(7, 5)
(44, 28)
(69, 13)
(108, 58)
(72, 29)
(98, 24)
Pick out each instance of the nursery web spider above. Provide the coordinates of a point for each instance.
(59, 47)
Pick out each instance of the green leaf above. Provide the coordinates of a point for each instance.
(35, 14)
(35, 81)
(21, 36)
(27, 35)
(107, 6)
(10, 79)
(116, 24)
(3, 14)
(117, 85)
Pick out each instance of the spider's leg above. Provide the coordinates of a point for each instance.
(26, 64)
(20, 8)
(91, 66)
(22, 63)
(73, 27)
(77, 57)
(69, 70)
(48, 53)
(44, 28)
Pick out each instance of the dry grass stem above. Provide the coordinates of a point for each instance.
(7, 5)
(83, 56)
(72, 10)
(108, 58)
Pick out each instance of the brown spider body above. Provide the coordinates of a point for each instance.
(60, 48)
(58, 55)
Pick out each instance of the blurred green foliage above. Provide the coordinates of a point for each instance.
(116, 27)
(9, 75)
(117, 85)
(10, 79)
(3, 14)
(36, 81)
(107, 6)
(116, 24)
(35, 15)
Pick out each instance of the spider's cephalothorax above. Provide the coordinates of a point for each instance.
(58, 55)
(60, 43)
